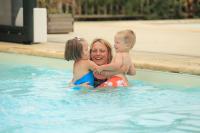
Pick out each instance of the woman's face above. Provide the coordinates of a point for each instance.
(99, 53)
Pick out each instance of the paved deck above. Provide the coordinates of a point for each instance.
(161, 45)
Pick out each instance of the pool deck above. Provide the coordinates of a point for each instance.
(152, 50)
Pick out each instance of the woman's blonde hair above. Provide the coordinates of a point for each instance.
(106, 43)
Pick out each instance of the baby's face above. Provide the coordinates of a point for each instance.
(119, 44)
(85, 50)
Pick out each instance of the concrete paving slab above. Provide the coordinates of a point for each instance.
(180, 37)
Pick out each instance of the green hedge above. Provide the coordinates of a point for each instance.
(149, 9)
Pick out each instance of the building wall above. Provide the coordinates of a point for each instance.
(5, 12)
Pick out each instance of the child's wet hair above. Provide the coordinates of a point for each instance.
(73, 49)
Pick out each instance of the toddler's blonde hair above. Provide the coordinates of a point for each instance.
(128, 36)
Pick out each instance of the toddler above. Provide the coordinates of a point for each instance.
(124, 42)
(77, 49)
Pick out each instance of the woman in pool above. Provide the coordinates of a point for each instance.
(101, 54)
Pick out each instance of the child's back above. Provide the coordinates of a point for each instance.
(77, 49)
(82, 73)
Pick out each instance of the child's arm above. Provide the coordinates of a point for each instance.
(109, 74)
(131, 71)
(115, 65)
(92, 66)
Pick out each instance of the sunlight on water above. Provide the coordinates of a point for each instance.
(37, 100)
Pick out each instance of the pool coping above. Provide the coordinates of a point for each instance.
(141, 59)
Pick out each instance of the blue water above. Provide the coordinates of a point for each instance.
(37, 100)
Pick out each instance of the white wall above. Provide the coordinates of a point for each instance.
(40, 25)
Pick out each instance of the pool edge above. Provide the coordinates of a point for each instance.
(142, 59)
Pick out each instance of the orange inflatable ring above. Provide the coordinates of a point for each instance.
(114, 81)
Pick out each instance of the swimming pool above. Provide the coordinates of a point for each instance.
(34, 98)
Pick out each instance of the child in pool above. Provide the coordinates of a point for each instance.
(122, 62)
(77, 49)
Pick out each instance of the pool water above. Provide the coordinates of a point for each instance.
(35, 99)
